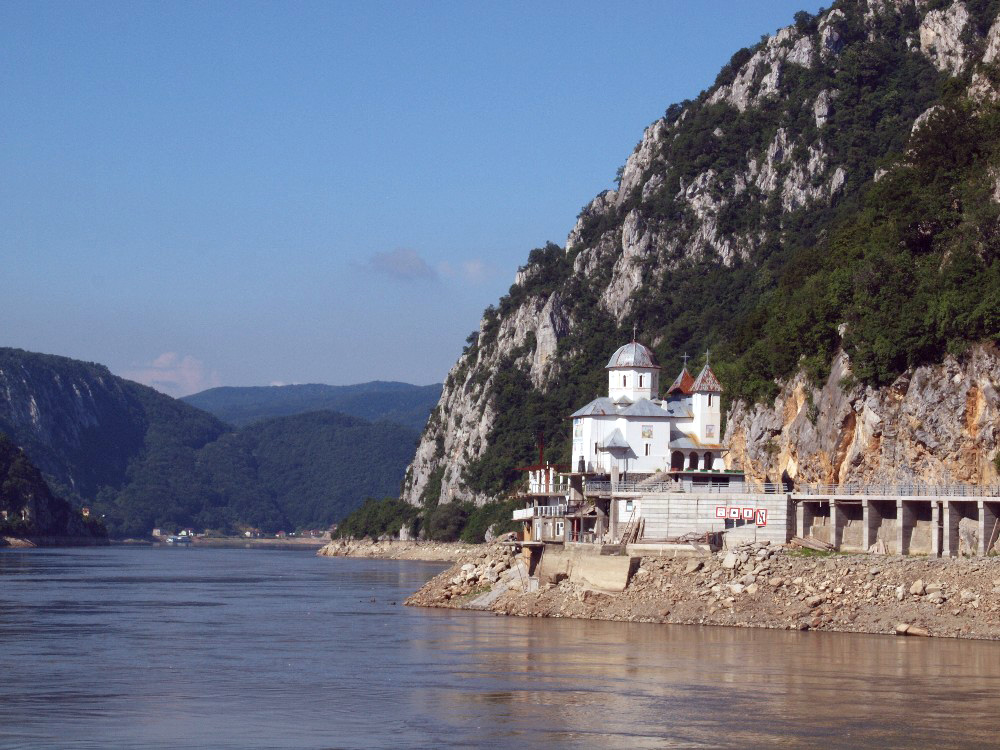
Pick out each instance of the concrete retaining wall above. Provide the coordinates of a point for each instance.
(672, 515)
(603, 572)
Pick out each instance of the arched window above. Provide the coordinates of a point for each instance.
(709, 399)
(693, 460)
(624, 381)
(709, 460)
(676, 461)
(640, 381)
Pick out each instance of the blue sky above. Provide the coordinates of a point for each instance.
(202, 194)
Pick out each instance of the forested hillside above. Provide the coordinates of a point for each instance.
(28, 507)
(142, 459)
(402, 403)
(823, 218)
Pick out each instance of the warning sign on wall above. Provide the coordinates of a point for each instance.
(761, 517)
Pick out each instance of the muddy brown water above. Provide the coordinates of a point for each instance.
(228, 648)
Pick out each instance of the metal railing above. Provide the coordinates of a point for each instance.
(896, 490)
(915, 489)
(652, 488)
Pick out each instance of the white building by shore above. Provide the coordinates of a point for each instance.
(632, 430)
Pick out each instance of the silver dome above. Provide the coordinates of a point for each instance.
(633, 354)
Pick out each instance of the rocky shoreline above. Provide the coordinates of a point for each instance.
(53, 541)
(754, 585)
(396, 550)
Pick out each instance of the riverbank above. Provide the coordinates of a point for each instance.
(53, 541)
(248, 543)
(396, 550)
(755, 585)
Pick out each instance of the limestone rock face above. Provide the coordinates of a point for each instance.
(937, 424)
(657, 220)
(941, 37)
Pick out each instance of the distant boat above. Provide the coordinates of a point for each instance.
(175, 539)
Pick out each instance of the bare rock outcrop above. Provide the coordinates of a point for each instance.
(937, 424)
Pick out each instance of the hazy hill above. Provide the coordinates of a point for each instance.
(401, 403)
(143, 459)
(823, 218)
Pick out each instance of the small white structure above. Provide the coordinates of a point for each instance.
(632, 430)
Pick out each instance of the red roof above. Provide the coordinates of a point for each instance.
(682, 383)
(706, 382)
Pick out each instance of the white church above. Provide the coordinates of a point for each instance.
(633, 431)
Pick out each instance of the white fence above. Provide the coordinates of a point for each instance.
(540, 511)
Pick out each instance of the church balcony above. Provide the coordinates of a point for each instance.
(543, 489)
(539, 511)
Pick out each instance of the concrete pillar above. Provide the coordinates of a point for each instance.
(872, 520)
(951, 518)
(906, 520)
(899, 527)
(803, 518)
(935, 528)
(987, 527)
(838, 519)
(988, 513)
(613, 508)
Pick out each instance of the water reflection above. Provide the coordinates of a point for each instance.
(265, 648)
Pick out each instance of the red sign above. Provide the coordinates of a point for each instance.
(761, 516)
(720, 511)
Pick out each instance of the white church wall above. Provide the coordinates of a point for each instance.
(652, 432)
(625, 382)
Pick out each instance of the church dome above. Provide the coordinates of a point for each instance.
(633, 355)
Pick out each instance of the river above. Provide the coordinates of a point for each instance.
(229, 648)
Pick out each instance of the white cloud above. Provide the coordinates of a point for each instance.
(174, 375)
(470, 271)
(401, 263)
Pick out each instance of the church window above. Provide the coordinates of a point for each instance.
(640, 381)
(709, 399)
(647, 449)
(624, 381)
(595, 447)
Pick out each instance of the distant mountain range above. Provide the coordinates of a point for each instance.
(142, 459)
(402, 403)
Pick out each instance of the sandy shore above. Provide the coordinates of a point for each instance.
(754, 585)
(393, 550)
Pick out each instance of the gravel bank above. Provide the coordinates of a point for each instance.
(755, 585)
(393, 550)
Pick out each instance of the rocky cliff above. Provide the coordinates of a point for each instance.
(728, 202)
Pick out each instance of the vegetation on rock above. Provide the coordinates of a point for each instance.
(143, 459)
(773, 226)
(28, 507)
